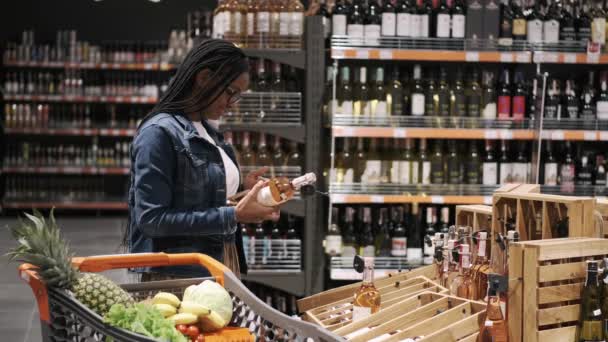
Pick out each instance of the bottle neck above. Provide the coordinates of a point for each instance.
(368, 275)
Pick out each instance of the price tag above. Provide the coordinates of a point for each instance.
(104, 65)
(337, 53)
(344, 274)
(148, 66)
(491, 134)
(569, 58)
(338, 198)
(522, 57)
(546, 135)
(590, 136)
(362, 54)
(348, 132)
(399, 133)
(437, 199)
(116, 66)
(506, 57)
(377, 199)
(506, 134)
(386, 54)
(603, 136)
(118, 99)
(471, 56)
(557, 135)
(487, 200)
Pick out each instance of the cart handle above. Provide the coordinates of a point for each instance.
(101, 263)
(28, 272)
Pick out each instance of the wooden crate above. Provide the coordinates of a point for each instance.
(526, 208)
(346, 291)
(601, 209)
(437, 317)
(476, 216)
(339, 313)
(545, 281)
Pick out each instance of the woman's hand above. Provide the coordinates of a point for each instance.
(252, 177)
(248, 210)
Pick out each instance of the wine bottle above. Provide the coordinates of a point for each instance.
(344, 164)
(567, 171)
(504, 96)
(571, 100)
(551, 24)
(519, 21)
(383, 237)
(404, 18)
(333, 239)
(602, 98)
(367, 298)
(349, 242)
(417, 96)
(490, 166)
(590, 327)
(389, 19)
(457, 97)
(366, 246)
(373, 21)
(453, 164)
(437, 164)
(414, 248)
(473, 95)
(473, 167)
(488, 97)
(598, 24)
(550, 168)
(378, 105)
(458, 19)
(443, 20)
(362, 105)
(429, 237)
(394, 97)
(356, 18)
(345, 93)
(279, 190)
(495, 327)
(518, 106)
(567, 24)
(553, 103)
(535, 24)
(506, 166)
(338, 18)
(600, 171)
(399, 239)
(583, 23)
(360, 160)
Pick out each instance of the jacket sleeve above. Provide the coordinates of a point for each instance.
(154, 174)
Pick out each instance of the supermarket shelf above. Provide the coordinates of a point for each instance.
(558, 134)
(388, 199)
(578, 190)
(82, 99)
(341, 268)
(413, 189)
(67, 170)
(93, 205)
(433, 133)
(87, 65)
(293, 57)
(292, 132)
(290, 282)
(431, 55)
(108, 132)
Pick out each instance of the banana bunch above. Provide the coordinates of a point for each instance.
(187, 312)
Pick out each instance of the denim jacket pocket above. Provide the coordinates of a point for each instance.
(193, 175)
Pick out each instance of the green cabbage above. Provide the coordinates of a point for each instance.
(212, 296)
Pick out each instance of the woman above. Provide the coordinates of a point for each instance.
(182, 171)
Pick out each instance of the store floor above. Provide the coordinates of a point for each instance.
(19, 319)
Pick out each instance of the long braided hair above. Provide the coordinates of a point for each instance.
(224, 60)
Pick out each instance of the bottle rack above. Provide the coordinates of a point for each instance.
(274, 255)
(341, 268)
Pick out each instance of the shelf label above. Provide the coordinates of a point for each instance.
(522, 57)
(557, 135)
(471, 56)
(399, 133)
(590, 136)
(118, 99)
(491, 134)
(506, 134)
(569, 58)
(348, 132)
(437, 199)
(148, 66)
(338, 198)
(377, 199)
(603, 136)
(506, 57)
(487, 200)
(337, 53)
(386, 54)
(548, 57)
(362, 54)
(116, 66)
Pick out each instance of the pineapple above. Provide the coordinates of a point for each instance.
(39, 243)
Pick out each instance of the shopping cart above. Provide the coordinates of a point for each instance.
(63, 318)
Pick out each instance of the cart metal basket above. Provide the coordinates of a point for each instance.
(63, 318)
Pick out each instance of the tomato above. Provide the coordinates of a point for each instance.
(192, 331)
(200, 338)
(182, 328)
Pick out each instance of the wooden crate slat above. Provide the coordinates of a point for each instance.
(562, 271)
(470, 338)
(396, 300)
(530, 279)
(561, 314)
(464, 330)
(516, 289)
(559, 293)
(557, 335)
(575, 248)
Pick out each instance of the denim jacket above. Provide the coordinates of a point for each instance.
(177, 196)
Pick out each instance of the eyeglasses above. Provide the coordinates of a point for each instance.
(234, 95)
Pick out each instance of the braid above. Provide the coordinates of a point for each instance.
(224, 60)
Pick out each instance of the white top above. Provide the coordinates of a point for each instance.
(232, 172)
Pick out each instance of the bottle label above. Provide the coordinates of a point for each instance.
(568, 33)
(250, 24)
(284, 18)
(394, 177)
(481, 252)
(443, 25)
(368, 251)
(349, 176)
(473, 173)
(414, 254)
(551, 31)
(275, 23)
(424, 26)
(265, 197)
(535, 31)
(489, 173)
(506, 171)
(429, 253)
(389, 24)
(404, 172)
(415, 25)
(602, 110)
(415, 179)
(338, 24)
(346, 107)
(404, 22)
(399, 246)
(566, 177)
(584, 33)
(551, 109)
(355, 30)
(458, 25)
(520, 172)
(519, 107)
(519, 27)
(437, 173)
(489, 110)
(237, 19)
(598, 30)
(333, 244)
(418, 104)
(550, 173)
(473, 106)
(459, 105)
(572, 111)
(380, 109)
(296, 24)
(360, 313)
(426, 172)
(506, 28)
(372, 31)
(372, 172)
(263, 22)
(504, 107)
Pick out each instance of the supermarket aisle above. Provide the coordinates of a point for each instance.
(18, 314)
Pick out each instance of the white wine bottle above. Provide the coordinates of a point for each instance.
(279, 190)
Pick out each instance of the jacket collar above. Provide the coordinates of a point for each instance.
(191, 132)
